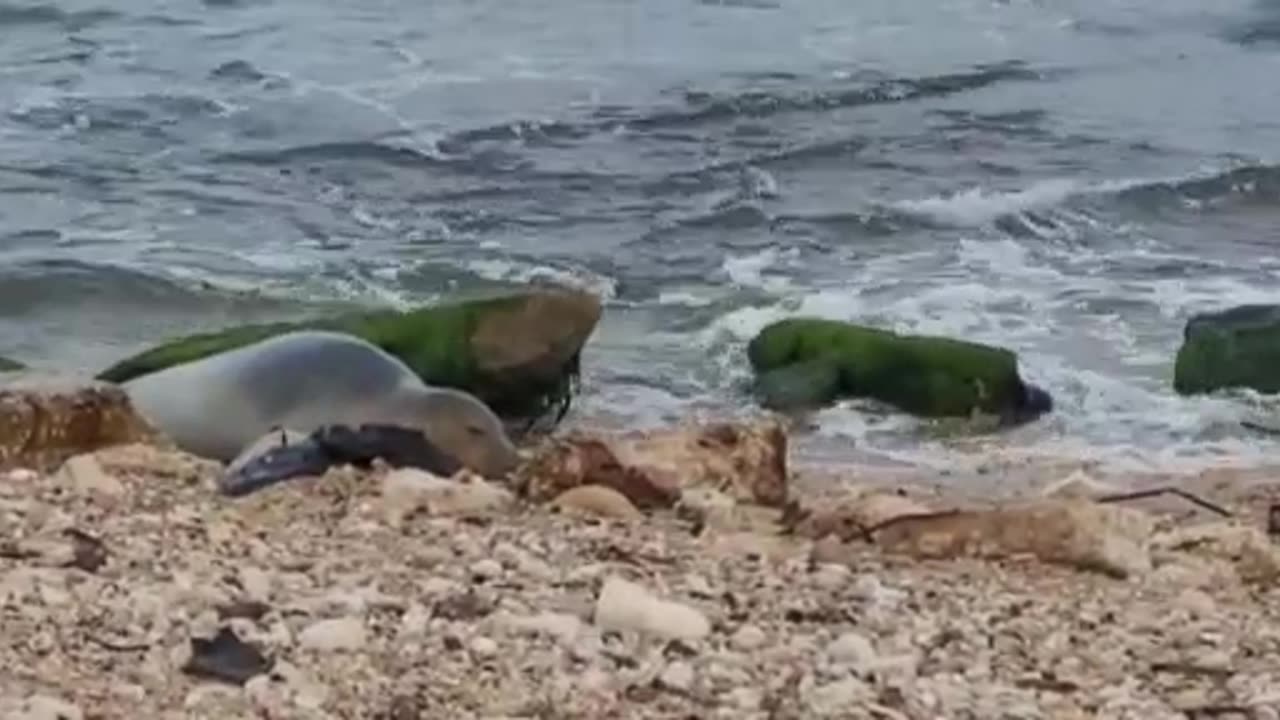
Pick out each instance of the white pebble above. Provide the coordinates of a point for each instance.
(256, 584)
(335, 634)
(41, 707)
(678, 676)
(487, 568)
(748, 637)
(626, 606)
(853, 649)
(483, 647)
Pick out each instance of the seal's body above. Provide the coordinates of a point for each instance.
(302, 381)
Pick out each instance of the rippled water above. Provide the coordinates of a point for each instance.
(1071, 179)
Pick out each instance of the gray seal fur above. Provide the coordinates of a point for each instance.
(218, 406)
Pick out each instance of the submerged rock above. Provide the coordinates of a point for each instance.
(7, 365)
(45, 420)
(805, 363)
(1234, 348)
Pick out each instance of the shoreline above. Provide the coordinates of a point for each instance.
(495, 609)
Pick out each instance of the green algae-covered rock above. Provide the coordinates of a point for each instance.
(7, 365)
(809, 362)
(1234, 348)
(518, 352)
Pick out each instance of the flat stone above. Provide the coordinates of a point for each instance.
(625, 606)
(596, 501)
(334, 634)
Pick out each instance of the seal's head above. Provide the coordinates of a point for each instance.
(461, 425)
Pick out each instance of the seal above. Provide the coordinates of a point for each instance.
(306, 380)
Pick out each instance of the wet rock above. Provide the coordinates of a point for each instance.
(746, 461)
(334, 634)
(1238, 347)
(596, 501)
(45, 420)
(625, 606)
(1104, 538)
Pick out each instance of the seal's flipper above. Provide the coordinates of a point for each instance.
(397, 446)
(285, 462)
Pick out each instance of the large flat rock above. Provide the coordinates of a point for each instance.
(44, 419)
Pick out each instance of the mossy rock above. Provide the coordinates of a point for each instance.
(7, 365)
(810, 362)
(518, 352)
(1234, 348)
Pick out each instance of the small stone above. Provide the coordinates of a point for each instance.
(334, 634)
(564, 627)
(596, 501)
(835, 699)
(483, 647)
(413, 624)
(41, 707)
(745, 698)
(407, 490)
(85, 474)
(486, 569)
(256, 584)
(625, 606)
(677, 676)
(853, 649)
(1197, 602)
(831, 576)
(748, 637)
(22, 475)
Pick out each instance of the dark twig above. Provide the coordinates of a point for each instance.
(1165, 490)
(118, 647)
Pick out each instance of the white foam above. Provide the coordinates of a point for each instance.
(978, 206)
(505, 270)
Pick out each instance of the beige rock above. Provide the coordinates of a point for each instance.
(596, 501)
(45, 420)
(625, 606)
(677, 676)
(41, 707)
(749, 637)
(1255, 557)
(85, 474)
(409, 490)
(346, 633)
(746, 461)
(854, 649)
(1105, 538)
(851, 517)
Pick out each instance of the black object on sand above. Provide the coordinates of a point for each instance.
(334, 445)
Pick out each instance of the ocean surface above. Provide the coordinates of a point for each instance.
(1069, 178)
